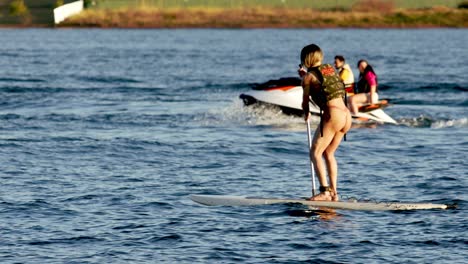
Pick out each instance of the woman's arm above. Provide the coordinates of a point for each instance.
(305, 95)
(310, 85)
(373, 94)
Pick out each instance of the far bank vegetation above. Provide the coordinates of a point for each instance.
(362, 14)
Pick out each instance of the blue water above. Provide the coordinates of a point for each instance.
(105, 133)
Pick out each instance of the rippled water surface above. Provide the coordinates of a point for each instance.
(105, 133)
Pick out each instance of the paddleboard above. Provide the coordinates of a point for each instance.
(228, 200)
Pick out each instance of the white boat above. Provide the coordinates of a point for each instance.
(286, 93)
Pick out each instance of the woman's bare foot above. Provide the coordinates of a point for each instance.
(323, 196)
(335, 197)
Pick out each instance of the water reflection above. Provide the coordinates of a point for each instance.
(325, 214)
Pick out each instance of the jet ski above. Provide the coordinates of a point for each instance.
(286, 93)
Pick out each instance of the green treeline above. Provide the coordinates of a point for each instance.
(28, 12)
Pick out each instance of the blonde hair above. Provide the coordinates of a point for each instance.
(311, 56)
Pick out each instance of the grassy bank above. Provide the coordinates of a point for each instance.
(266, 18)
(315, 4)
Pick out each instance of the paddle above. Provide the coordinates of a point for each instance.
(310, 154)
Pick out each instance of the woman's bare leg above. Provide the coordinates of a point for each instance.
(332, 166)
(319, 144)
(338, 127)
(356, 100)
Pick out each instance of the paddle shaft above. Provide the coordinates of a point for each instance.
(310, 157)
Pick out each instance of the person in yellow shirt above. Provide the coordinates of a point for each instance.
(346, 74)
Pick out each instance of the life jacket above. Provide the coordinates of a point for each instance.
(331, 85)
(346, 74)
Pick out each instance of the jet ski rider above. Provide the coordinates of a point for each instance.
(346, 74)
(321, 83)
(366, 88)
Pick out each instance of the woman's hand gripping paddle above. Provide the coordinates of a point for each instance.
(310, 156)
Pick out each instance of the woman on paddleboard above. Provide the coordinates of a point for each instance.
(321, 83)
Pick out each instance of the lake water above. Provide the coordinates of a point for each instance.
(105, 133)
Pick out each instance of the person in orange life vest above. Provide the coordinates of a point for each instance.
(346, 74)
(321, 83)
(366, 88)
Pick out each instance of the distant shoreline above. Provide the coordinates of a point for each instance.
(252, 18)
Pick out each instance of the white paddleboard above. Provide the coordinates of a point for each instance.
(228, 200)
